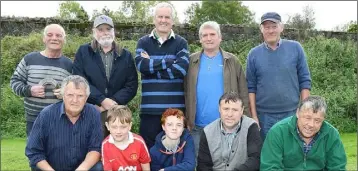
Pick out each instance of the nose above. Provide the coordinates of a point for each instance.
(310, 123)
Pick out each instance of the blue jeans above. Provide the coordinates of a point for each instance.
(97, 167)
(196, 133)
(267, 120)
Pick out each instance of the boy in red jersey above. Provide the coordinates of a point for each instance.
(122, 149)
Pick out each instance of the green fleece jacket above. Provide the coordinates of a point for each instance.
(283, 150)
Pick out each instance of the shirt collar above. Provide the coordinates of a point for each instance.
(155, 36)
(235, 130)
(130, 139)
(278, 44)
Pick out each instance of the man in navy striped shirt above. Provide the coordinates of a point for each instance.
(67, 135)
(162, 59)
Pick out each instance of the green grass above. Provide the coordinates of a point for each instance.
(13, 153)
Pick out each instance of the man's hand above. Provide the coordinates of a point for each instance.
(144, 54)
(38, 91)
(99, 108)
(56, 92)
(107, 103)
(257, 121)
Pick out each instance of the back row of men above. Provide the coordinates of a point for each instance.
(277, 80)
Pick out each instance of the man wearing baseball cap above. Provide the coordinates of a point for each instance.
(108, 68)
(277, 74)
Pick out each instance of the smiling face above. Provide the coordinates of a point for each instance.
(309, 123)
(104, 34)
(119, 130)
(271, 31)
(54, 37)
(163, 20)
(230, 113)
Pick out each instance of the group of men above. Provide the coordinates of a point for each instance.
(236, 134)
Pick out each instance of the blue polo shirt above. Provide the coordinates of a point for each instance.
(209, 89)
(61, 143)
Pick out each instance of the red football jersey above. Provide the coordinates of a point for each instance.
(130, 158)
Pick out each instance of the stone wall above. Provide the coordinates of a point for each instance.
(132, 31)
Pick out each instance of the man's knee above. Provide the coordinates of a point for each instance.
(98, 166)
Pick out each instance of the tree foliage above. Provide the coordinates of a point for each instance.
(304, 21)
(72, 10)
(133, 11)
(223, 12)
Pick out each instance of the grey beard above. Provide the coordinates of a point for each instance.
(105, 43)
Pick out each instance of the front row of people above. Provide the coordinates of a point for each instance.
(68, 136)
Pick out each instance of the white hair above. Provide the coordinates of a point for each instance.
(77, 81)
(210, 24)
(164, 5)
(57, 26)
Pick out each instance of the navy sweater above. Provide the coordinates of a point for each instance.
(182, 159)
(277, 77)
(162, 75)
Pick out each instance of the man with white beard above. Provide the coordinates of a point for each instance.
(108, 68)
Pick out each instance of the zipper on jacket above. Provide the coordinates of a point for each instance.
(174, 159)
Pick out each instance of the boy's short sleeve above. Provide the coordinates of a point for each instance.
(144, 156)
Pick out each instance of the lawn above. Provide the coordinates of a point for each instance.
(13, 153)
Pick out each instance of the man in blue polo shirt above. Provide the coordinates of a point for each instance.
(67, 135)
(277, 75)
(162, 60)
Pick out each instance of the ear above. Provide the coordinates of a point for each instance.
(297, 113)
(163, 127)
(107, 125)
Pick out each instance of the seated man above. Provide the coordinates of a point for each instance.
(174, 146)
(231, 142)
(122, 149)
(67, 135)
(304, 141)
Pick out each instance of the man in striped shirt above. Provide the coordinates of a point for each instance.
(38, 74)
(162, 59)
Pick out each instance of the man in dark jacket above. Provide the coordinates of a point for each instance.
(108, 68)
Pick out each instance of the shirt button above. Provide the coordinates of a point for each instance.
(227, 165)
(232, 151)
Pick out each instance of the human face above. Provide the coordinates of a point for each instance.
(104, 34)
(119, 130)
(230, 114)
(54, 38)
(173, 127)
(210, 39)
(309, 123)
(74, 99)
(271, 31)
(163, 20)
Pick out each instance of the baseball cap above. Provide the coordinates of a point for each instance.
(271, 16)
(103, 19)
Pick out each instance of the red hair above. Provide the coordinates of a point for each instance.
(172, 112)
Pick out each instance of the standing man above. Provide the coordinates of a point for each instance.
(39, 74)
(277, 75)
(231, 142)
(212, 71)
(162, 59)
(109, 69)
(67, 135)
(304, 141)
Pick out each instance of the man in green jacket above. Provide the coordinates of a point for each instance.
(304, 141)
